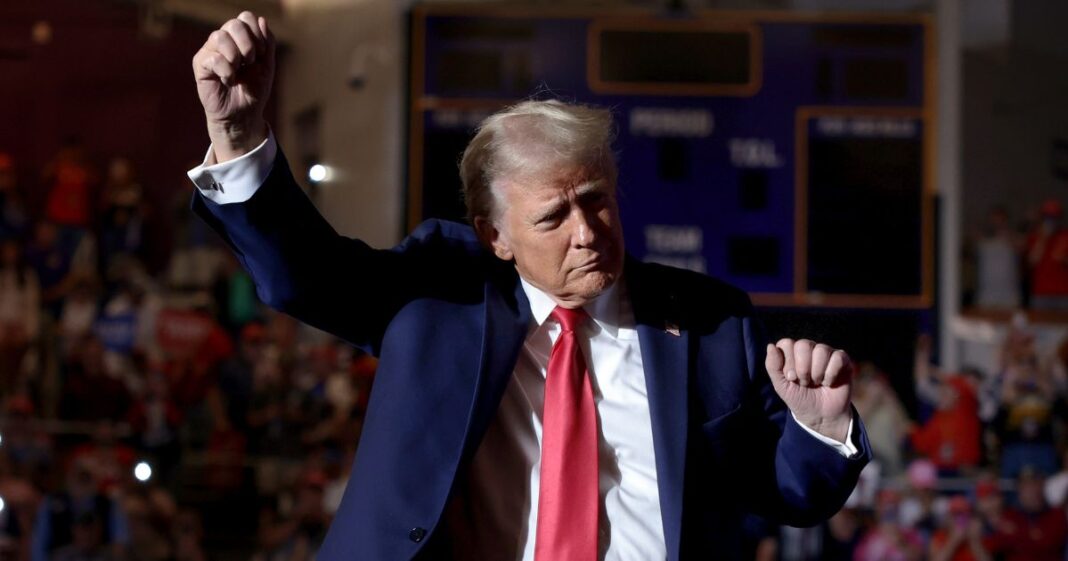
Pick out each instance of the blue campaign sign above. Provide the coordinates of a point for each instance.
(117, 332)
(788, 154)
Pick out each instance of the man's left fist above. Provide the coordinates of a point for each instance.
(815, 381)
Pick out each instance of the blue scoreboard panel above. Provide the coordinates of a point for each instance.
(786, 153)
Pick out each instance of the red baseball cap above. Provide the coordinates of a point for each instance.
(986, 488)
(1052, 208)
(959, 504)
(253, 331)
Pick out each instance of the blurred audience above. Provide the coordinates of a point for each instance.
(79, 522)
(998, 263)
(20, 304)
(952, 435)
(888, 539)
(1033, 530)
(14, 216)
(960, 537)
(884, 417)
(149, 417)
(1047, 256)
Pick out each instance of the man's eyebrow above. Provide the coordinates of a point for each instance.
(549, 211)
(588, 186)
(592, 188)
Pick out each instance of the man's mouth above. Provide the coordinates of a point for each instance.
(591, 264)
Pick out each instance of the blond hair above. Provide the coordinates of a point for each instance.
(529, 139)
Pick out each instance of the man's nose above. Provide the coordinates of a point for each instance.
(585, 230)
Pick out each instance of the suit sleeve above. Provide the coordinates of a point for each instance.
(301, 266)
(792, 477)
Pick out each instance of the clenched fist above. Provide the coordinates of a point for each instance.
(815, 381)
(234, 71)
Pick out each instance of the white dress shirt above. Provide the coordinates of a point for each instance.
(497, 516)
(499, 519)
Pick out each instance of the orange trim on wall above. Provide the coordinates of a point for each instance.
(593, 57)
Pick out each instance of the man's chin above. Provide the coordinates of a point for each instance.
(595, 283)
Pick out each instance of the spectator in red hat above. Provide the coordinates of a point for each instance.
(1033, 531)
(960, 537)
(921, 503)
(1047, 255)
(72, 183)
(951, 437)
(989, 509)
(889, 540)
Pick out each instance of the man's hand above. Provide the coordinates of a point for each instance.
(815, 381)
(234, 70)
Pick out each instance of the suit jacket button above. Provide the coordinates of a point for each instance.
(417, 534)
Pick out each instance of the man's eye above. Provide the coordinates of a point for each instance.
(552, 219)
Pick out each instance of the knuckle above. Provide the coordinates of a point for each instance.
(222, 67)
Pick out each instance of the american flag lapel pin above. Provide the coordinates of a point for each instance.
(672, 328)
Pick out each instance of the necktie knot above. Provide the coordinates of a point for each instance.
(569, 319)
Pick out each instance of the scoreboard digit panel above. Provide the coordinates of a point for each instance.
(657, 57)
(788, 154)
(861, 203)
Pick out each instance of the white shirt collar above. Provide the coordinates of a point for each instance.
(604, 309)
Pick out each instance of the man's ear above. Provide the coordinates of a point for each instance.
(491, 237)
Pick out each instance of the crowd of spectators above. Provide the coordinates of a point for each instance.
(154, 409)
(978, 472)
(1011, 265)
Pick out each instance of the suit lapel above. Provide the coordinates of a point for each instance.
(665, 359)
(507, 317)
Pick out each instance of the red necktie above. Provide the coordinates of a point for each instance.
(568, 499)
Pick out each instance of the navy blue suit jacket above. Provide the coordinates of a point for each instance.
(448, 320)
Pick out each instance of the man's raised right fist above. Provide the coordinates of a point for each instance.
(234, 70)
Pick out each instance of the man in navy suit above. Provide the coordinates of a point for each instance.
(540, 395)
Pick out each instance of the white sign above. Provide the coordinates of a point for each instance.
(657, 122)
(754, 153)
(867, 127)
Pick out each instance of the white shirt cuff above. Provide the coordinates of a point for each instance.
(235, 181)
(846, 448)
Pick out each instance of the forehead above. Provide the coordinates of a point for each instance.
(554, 183)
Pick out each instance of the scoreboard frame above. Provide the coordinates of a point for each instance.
(643, 19)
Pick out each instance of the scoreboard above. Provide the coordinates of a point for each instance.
(789, 154)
